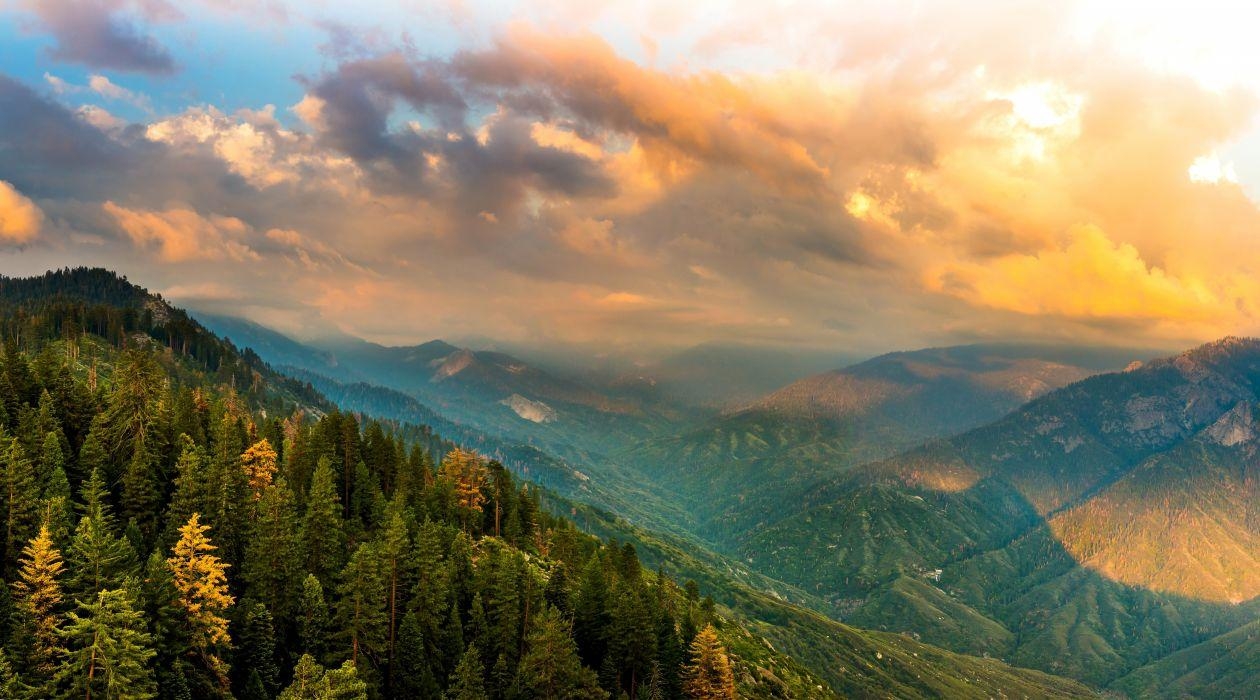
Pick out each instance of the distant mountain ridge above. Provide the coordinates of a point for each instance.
(741, 467)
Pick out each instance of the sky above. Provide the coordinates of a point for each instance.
(646, 176)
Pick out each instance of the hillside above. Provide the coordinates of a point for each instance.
(310, 512)
(1093, 531)
(742, 470)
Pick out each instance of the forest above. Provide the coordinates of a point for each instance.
(179, 525)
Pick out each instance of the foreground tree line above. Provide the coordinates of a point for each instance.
(163, 540)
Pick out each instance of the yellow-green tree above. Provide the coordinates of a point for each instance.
(200, 577)
(259, 463)
(37, 596)
(708, 676)
(465, 470)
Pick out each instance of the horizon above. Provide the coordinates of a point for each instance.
(642, 178)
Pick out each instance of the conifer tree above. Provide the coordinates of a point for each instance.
(322, 532)
(709, 675)
(550, 667)
(108, 650)
(395, 554)
(313, 621)
(259, 463)
(37, 599)
(201, 580)
(465, 471)
(312, 682)
(468, 681)
(98, 559)
(361, 614)
(255, 655)
(21, 503)
(141, 493)
(272, 566)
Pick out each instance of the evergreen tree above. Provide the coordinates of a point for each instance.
(21, 503)
(98, 559)
(312, 682)
(142, 493)
(361, 613)
(322, 533)
(255, 657)
(272, 566)
(709, 675)
(313, 621)
(108, 650)
(201, 580)
(468, 682)
(550, 667)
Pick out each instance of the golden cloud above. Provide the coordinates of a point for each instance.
(20, 218)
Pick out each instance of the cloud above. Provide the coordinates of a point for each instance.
(909, 180)
(1090, 276)
(182, 235)
(105, 33)
(20, 218)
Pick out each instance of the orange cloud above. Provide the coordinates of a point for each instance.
(182, 235)
(20, 218)
(1088, 277)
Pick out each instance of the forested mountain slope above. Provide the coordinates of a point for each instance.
(743, 470)
(192, 525)
(1097, 529)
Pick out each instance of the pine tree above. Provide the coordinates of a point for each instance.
(361, 614)
(469, 677)
(412, 676)
(141, 493)
(259, 463)
(21, 501)
(37, 598)
(272, 565)
(465, 471)
(709, 675)
(313, 621)
(395, 553)
(312, 682)
(321, 528)
(201, 580)
(108, 650)
(255, 657)
(11, 685)
(550, 667)
(98, 559)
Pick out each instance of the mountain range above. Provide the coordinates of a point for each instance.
(1087, 513)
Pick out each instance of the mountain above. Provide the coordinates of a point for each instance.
(740, 470)
(487, 390)
(196, 432)
(1095, 530)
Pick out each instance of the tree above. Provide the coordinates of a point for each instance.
(141, 492)
(550, 667)
(37, 597)
(21, 501)
(201, 580)
(361, 614)
(469, 679)
(322, 534)
(98, 558)
(272, 565)
(313, 623)
(312, 682)
(259, 463)
(395, 550)
(709, 675)
(465, 471)
(108, 650)
(256, 653)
